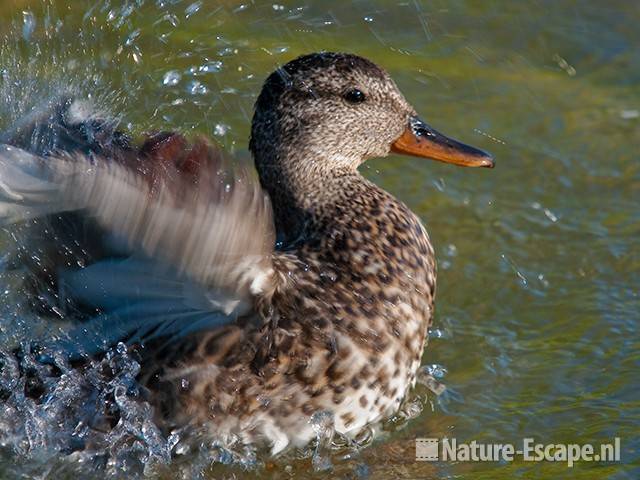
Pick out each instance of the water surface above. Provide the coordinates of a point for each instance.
(536, 330)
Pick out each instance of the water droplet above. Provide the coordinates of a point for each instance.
(227, 51)
(564, 65)
(276, 50)
(439, 184)
(132, 38)
(171, 78)
(629, 114)
(197, 88)
(543, 280)
(550, 215)
(322, 423)
(220, 129)
(210, 67)
(192, 9)
(331, 276)
(515, 269)
(171, 19)
(412, 408)
(264, 400)
(28, 24)
(437, 333)
(438, 371)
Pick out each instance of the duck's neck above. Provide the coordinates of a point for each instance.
(304, 192)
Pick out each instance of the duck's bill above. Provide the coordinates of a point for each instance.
(420, 140)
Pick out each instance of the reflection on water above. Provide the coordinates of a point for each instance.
(536, 330)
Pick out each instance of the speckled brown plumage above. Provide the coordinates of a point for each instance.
(335, 317)
(348, 317)
(347, 320)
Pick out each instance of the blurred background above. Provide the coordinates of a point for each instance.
(536, 333)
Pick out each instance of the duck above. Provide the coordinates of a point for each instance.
(255, 300)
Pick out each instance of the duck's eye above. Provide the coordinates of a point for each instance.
(354, 96)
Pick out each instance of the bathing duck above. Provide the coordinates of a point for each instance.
(253, 303)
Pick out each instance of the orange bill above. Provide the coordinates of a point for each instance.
(420, 140)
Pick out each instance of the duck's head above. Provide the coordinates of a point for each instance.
(327, 112)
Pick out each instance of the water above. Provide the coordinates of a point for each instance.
(538, 299)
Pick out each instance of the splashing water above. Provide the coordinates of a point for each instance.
(56, 417)
(94, 413)
(323, 426)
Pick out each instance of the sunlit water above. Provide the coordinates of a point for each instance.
(536, 331)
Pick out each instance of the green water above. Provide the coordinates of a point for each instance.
(539, 278)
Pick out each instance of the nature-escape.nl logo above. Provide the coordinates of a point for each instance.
(448, 449)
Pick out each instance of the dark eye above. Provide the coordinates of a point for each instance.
(354, 96)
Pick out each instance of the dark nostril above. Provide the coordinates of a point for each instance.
(423, 132)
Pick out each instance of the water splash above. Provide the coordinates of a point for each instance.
(95, 413)
(324, 427)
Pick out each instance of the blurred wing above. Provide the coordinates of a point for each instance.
(201, 234)
(211, 224)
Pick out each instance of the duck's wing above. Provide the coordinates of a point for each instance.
(209, 225)
(211, 222)
(142, 301)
